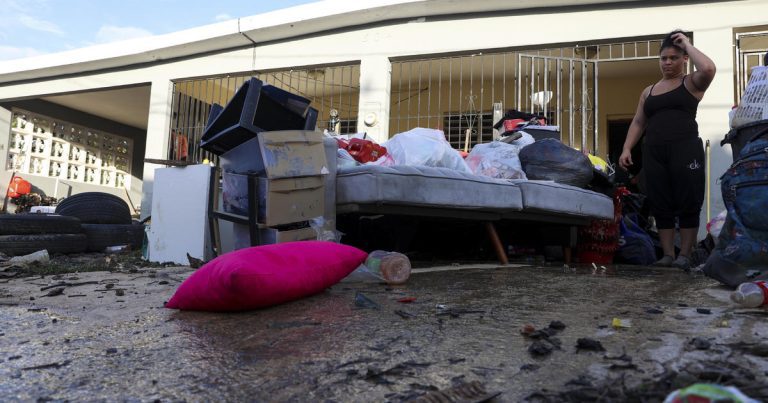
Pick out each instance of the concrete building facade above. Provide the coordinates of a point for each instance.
(130, 90)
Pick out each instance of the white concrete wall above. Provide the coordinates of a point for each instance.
(711, 23)
(5, 130)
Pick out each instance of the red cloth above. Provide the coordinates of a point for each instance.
(19, 187)
(266, 275)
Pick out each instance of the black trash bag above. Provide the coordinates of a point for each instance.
(549, 159)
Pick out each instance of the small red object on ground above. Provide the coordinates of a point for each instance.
(19, 187)
(407, 300)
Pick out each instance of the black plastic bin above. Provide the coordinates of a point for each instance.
(540, 134)
(738, 137)
(255, 108)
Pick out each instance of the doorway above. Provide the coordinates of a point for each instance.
(617, 134)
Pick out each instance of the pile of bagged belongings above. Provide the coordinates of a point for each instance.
(517, 155)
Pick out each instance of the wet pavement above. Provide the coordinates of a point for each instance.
(106, 337)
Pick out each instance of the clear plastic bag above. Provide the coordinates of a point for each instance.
(325, 229)
(424, 147)
(716, 224)
(525, 140)
(496, 160)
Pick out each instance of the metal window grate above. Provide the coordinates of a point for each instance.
(751, 49)
(458, 93)
(328, 87)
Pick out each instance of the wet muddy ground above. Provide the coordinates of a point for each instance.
(106, 336)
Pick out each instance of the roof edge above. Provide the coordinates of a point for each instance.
(247, 31)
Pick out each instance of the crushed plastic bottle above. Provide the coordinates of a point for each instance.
(751, 295)
(393, 267)
(39, 256)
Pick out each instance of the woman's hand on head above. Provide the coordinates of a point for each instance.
(681, 40)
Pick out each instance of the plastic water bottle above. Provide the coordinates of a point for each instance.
(751, 295)
(393, 267)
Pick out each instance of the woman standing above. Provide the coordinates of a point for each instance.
(673, 153)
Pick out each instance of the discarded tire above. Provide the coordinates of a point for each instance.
(24, 224)
(101, 236)
(15, 245)
(95, 208)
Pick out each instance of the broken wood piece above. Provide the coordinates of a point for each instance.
(173, 163)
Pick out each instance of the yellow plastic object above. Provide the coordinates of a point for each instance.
(598, 162)
(621, 323)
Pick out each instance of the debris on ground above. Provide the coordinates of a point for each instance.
(54, 292)
(39, 256)
(404, 314)
(557, 325)
(700, 343)
(194, 262)
(540, 348)
(588, 344)
(465, 392)
(129, 261)
(361, 301)
(618, 323)
(297, 347)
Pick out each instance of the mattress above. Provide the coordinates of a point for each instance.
(422, 186)
(557, 198)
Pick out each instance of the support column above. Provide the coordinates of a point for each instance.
(158, 128)
(375, 84)
(713, 114)
(5, 132)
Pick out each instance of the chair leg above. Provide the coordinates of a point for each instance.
(494, 237)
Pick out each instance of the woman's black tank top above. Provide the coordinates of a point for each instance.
(671, 116)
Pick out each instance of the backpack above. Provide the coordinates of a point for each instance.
(635, 245)
(741, 254)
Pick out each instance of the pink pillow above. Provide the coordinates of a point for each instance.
(266, 275)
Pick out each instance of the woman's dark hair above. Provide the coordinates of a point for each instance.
(668, 42)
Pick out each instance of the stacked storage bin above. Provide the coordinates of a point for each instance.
(286, 170)
(273, 165)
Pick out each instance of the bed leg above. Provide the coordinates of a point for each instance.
(568, 248)
(494, 237)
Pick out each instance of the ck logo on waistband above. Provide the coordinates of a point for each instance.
(694, 165)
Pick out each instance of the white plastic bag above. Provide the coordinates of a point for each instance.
(754, 103)
(425, 147)
(525, 140)
(496, 160)
(344, 159)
